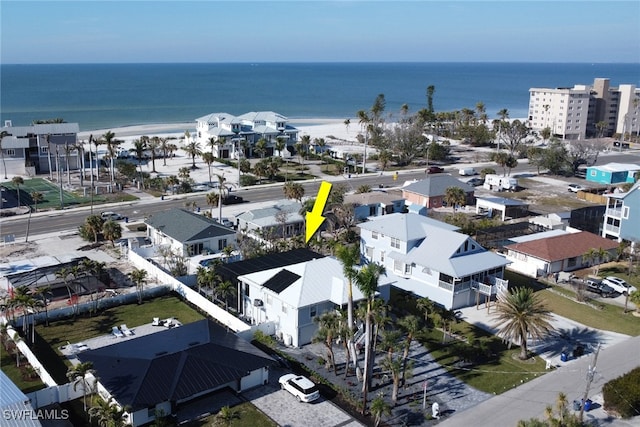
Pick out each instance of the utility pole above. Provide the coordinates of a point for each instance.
(590, 374)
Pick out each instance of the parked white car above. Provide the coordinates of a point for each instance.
(301, 387)
(618, 285)
(111, 216)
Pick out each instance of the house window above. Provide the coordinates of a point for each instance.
(374, 235)
(313, 311)
(397, 265)
(593, 173)
(222, 243)
(44, 150)
(284, 308)
(269, 299)
(246, 290)
(369, 252)
(407, 269)
(151, 413)
(381, 256)
(395, 243)
(625, 212)
(571, 262)
(11, 152)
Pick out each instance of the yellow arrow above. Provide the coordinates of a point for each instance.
(315, 218)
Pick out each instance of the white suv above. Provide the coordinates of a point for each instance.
(301, 387)
(618, 285)
(111, 216)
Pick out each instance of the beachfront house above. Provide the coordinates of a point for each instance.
(39, 148)
(542, 256)
(430, 258)
(622, 216)
(430, 191)
(168, 370)
(293, 295)
(227, 135)
(188, 233)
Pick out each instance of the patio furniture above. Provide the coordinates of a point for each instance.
(157, 322)
(125, 330)
(117, 332)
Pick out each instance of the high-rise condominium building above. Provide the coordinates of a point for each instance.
(586, 111)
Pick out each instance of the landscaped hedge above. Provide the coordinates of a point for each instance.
(622, 395)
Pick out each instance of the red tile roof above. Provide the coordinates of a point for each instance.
(565, 246)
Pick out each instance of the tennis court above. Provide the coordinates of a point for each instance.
(50, 193)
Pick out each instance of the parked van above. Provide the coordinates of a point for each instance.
(467, 172)
(500, 183)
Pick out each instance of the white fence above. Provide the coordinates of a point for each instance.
(161, 276)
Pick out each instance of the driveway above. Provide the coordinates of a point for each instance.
(282, 407)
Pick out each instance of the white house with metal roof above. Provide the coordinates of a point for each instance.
(230, 134)
(15, 406)
(293, 295)
(432, 259)
(281, 220)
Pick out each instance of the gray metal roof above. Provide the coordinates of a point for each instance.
(504, 201)
(185, 226)
(43, 129)
(264, 217)
(436, 185)
(174, 364)
(405, 227)
(12, 399)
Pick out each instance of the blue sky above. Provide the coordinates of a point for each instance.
(319, 31)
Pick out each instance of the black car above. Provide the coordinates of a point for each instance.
(596, 286)
(232, 200)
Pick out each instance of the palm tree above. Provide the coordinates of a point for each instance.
(293, 190)
(111, 231)
(321, 144)
(349, 257)
(204, 277)
(208, 159)
(212, 200)
(41, 293)
(595, 257)
(193, 149)
(94, 223)
(139, 278)
(327, 330)
(379, 407)
(49, 156)
(138, 149)
(280, 145)
(426, 306)
(17, 181)
(36, 197)
(411, 326)
(224, 290)
(261, 147)
(164, 147)
(455, 196)
(3, 134)
(222, 188)
(154, 145)
(227, 415)
(108, 414)
(112, 144)
(78, 374)
(521, 313)
(367, 281)
(446, 317)
(172, 181)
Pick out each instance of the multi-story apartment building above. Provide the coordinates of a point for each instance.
(574, 113)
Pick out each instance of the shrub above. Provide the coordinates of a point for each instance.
(622, 395)
(247, 180)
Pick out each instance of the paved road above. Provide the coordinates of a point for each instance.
(530, 399)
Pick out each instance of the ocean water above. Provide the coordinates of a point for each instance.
(99, 96)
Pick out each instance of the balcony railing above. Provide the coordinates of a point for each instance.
(445, 285)
(612, 229)
(614, 212)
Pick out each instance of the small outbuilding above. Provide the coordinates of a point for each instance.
(502, 206)
(612, 173)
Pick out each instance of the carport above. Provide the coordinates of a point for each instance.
(508, 208)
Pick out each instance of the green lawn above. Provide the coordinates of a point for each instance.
(51, 194)
(609, 318)
(48, 339)
(8, 364)
(497, 373)
(247, 416)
